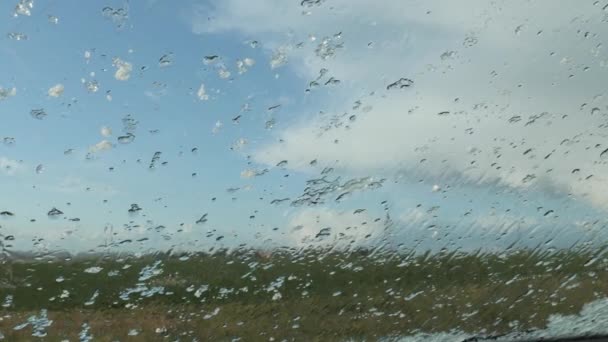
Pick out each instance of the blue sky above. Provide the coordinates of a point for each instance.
(498, 67)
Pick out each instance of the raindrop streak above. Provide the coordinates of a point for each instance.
(202, 220)
(311, 3)
(210, 59)
(126, 139)
(154, 160)
(279, 200)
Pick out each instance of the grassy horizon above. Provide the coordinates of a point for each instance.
(313, 295)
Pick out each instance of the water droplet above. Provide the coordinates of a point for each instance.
(56, 90)
(239, 144)
(201, 93)
(39, 169)
(16, 36)
(595, 111)
(154, 160)
(223, 73)
(8, 301)
(278, 59)
(85, 334)
(202, 220)
(24, 7)
(5, 93)
(279, 200)
(469, 41)
(217, 127)
(402, 83)
(38, 113)
(93, 270)
(150, 271)
(165, 60)
(515, 119)
(54, 212)
(448, 55)
(105, 131)
(123, 69)
(332, 81)
(323, 233)
(9, 141)
(528, 178)
(53, 19)
(210, 59)
(92, 86)
(270, 124)
(244, 65)
(311, 3)
(134, 208)
(119, 15)
(39, 323)
(328, 47)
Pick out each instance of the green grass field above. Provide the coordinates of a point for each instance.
(307, 296)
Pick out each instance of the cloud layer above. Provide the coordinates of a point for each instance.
(501, 94)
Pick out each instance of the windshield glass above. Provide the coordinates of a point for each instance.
(323, 170)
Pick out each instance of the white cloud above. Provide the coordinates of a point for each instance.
(510, 60)
(503, 223)
(103, 145)
(9, 166)
(328, 227)
(72, 184)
